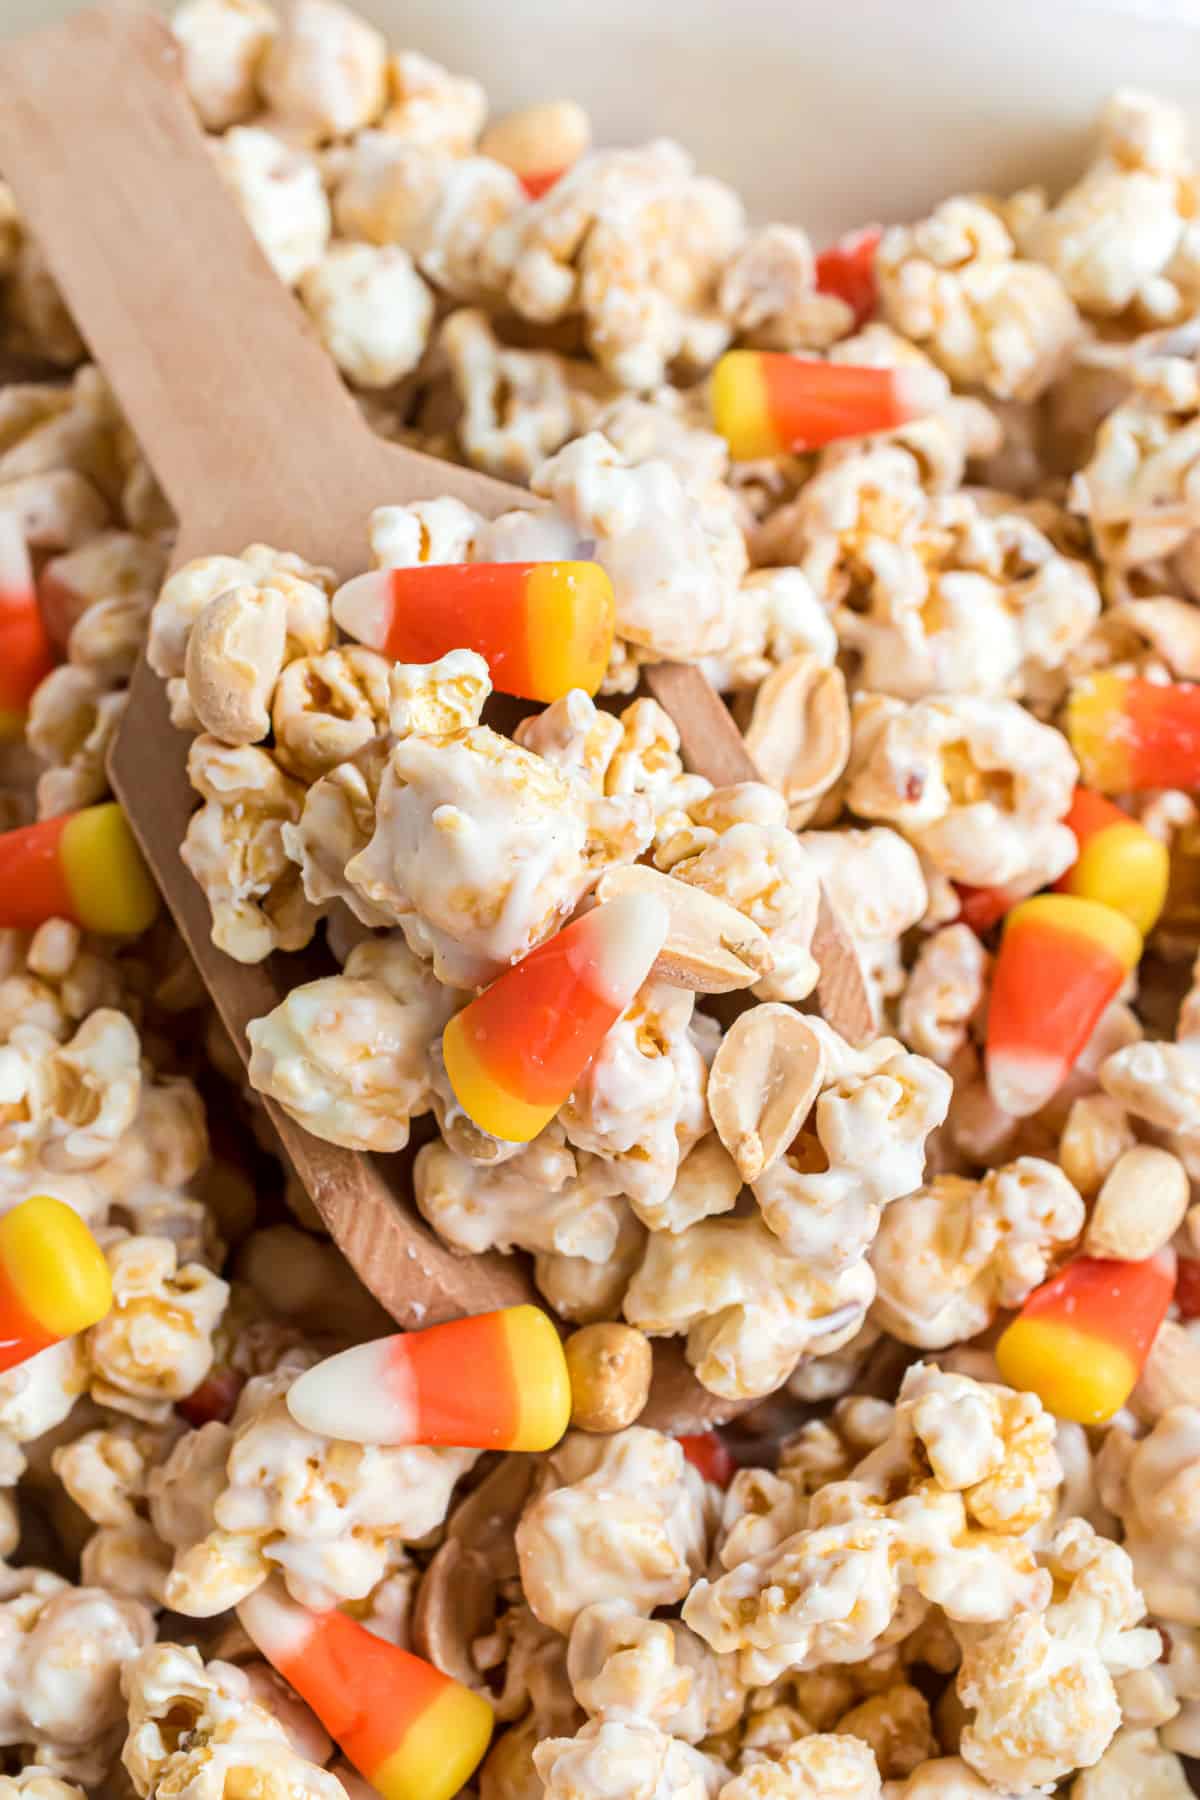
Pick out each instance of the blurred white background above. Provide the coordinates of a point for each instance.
(829, 112)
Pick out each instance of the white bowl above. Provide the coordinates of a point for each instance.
(829, 113)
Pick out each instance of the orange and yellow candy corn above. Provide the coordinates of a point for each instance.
(26, 653)
(542, 628)
(1061, 961)
(1119, 862)
(1130, 734)
(766, 403)
(83, 866)
(412, 1732)
(495, 1382)
(847, 269)
(514, 1054)
(54, 1280)
(1080, 1341)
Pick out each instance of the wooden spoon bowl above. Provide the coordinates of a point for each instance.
(253, 437)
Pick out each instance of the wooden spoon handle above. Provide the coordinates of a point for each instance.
(228, 390)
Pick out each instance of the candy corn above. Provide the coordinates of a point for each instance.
(1118, 862)
(1061, 961)
(409, 1730)
(514, 1054)
(765, 402)
(82, 866)
(26, 653)
(1130, 734)
(1079, 1342)
(847, 269)
(705, 1451)
(495, 1382)
(542, 628)
(54, 1280)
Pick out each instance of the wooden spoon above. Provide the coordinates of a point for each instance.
(253, 436)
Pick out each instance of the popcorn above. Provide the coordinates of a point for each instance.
(1156, 1082)
(866, 1146)
(977, 785)
(73, 718)
(951, 1255)
(327, 708)
(427, 105)
(544, 1199)
(518, 406)
(750, 1310)
(944, 993)
(481, 849)
(614, 1518)
(874, 882)
(279, 190)
(68, 1105)
(654, 1669)
(62, 1649)
(347, 1057)
(224, 44)
(200, 1730)
(672, 548)
(639, 1104)
(234, 847)
(733, 843)
(322, 1512)
(953, 284)
(936, 1513)
(372, 310)
(631, 242)
(325, 73)
(769, 294)
(1042, 1683)
(608, 1757)
(1148, 1484)
(1112, 237)
(155, 1346)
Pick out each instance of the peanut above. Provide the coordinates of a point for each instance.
(610, 1368)
(234, 656)
(1140, 1207)
(539, 140)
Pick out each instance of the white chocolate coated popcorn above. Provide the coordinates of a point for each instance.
(347, 1057)
(621, 1518)
(952, 283)
(481, 849)
(278, 188)
(977, 785)
(1042, 1684)
(949, 1256)
(156, 1345)
(750, 1310)
(61, 1650)
(639, 1104)
(200, 1730)
(671, 547)
(322, 1512)
(632, 242)
(234, 847)
(863, 1148)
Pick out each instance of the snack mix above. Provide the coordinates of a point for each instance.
(924, 508)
